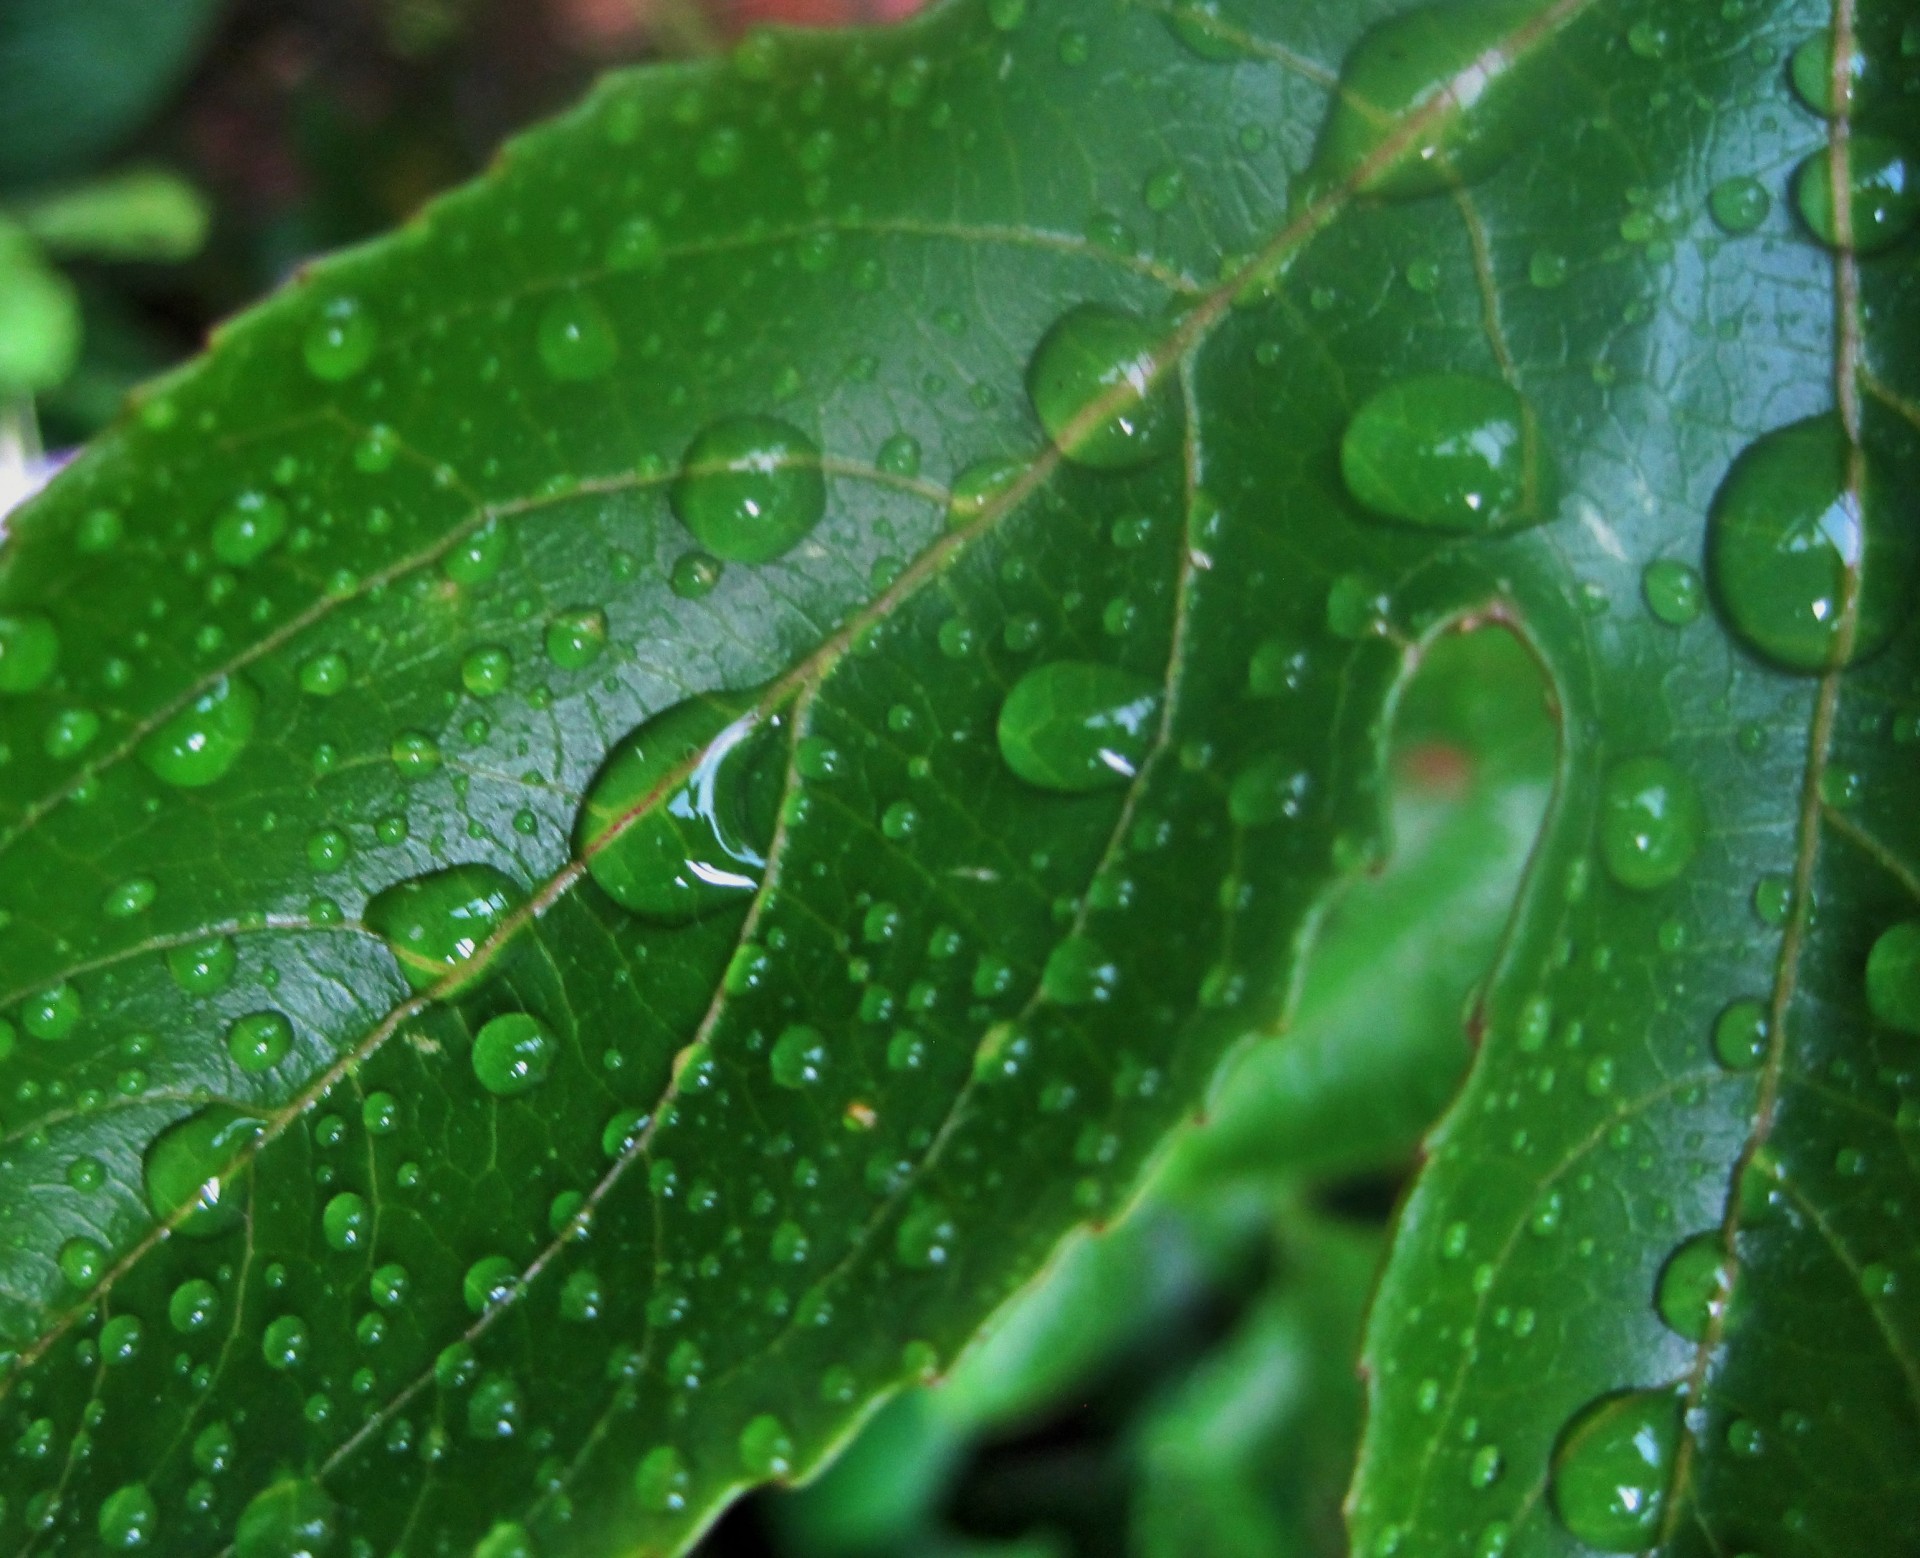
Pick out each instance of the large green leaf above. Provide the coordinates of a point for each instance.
(415, 1141)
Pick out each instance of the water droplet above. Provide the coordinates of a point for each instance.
(86, 1174)
(1789, 539)
(577, 340)
(204, 967)
(437, 924)
(1448, 451)
(70, 733)
(204, 740)
(1740, 1035)
(1694, 1285)
(1483, 1471)
(672, 856)
(1651, 822)
(193, 1306)
(513, 1054)
(925, 1237)
(977, 487)
(575, 639)
(766, 1450)
(414, 754)
(582, 1297)
(798, 1057)
(661, 1481)
(493, 1410)
(1201, 27)
(259, 1042)
(341, 341)
(82, 1262)
(1427, 100)
(1078, 972)
(487, 671)
(1096, 384)
(490, 1281)
(1739, 204)
(1674, 591)
(324, 675)
(52, 1014)
(476, 558)
(1812, 73)
(507, 1539)
(128, 1518)
(750, 488)
(694, 574)
(1611, 1468)
(29, 651)
(189, 1169)
(1883, 194)
(250, 529)
(293, 1518)
(346, 1220)
(133, 896)
(1893, 977)
(1077, 725)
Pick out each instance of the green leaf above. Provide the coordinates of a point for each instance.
(1082, 326)
(137, 214)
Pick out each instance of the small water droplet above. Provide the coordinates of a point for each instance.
(1448, 451)
(577, 340)
(798, 1057)
(436, 925)
(252, 527)
(661, 1481)
(1077, 725)
(198, 745)
(1694, 1285)
(694, 574)
(575, 639)
(1739, 204)
(1812, 72)
(750, 488)
(925, 1237)
(128, 1518)
(1652, 822)
(259, 1042)
(1611, 1468)
(1740, 1035)
(1078, 972)
(52, 1014)
(193, 1306)
(324, 675)
(513, 1054)
(766, 1449)
(341, 341)
(346, 1221)
(82, 1262)
(1674, 591)
(1096, 385)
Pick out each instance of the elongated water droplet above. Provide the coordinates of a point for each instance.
(184, 1169)
(1883, 194)
(1790, 543)
(1427, 100)
(293, 1518)
(341, 341)
(1077, 725)
(1694, 1285)
(978, 486)
(577, 340)
(1448, 451)
(513, 1054)
(1651, 822)
(1098, 389)
(436, 924)
(1893, 977)
(673, 855)
(1611, 1468)
(750, 488)
(1201, 27)
(29, 651)
(198, 745)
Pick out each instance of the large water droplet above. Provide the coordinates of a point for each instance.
(1079, 972)
(1427, 100)
(513, 1054)
(1893, 977)
(1790, 541)
(1883, 194)
(1611, 1468)
(1812, 72)
(260, 1041)
(29, 650)
(188, 1169)
(1077, 725)
(1097, 386)
(750, 488)
(1740, 1035)
(198, 745)
(128, 1518)
(577, 340)
(675, 854)
(1651, 822)
(661, 1482)
(1694, 1285)
(294, 1518)
(204, 967)
(766, 1449)
(437, 924)
(1448, 451)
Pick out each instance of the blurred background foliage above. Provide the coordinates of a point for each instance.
(1181, 1382)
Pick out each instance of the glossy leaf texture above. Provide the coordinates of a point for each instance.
(622, 807)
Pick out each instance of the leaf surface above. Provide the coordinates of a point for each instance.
(623, 806)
